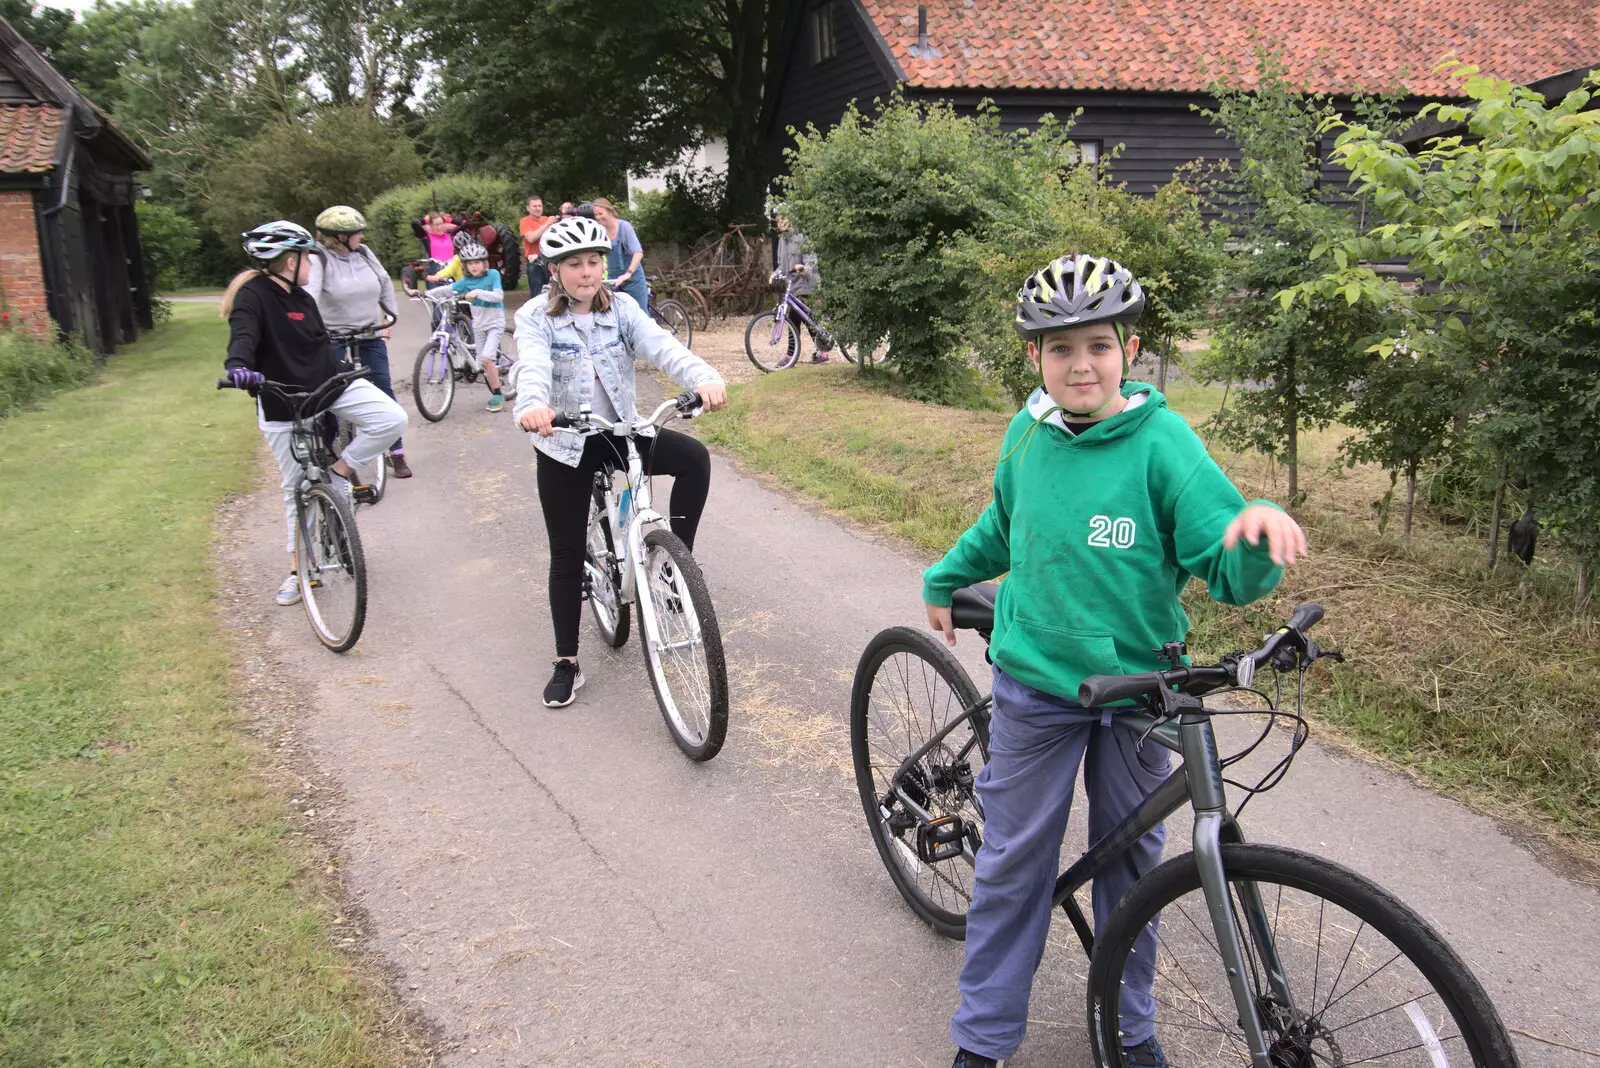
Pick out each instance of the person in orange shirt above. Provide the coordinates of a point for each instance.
(534, 224)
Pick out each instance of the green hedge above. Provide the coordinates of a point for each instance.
(32, 368)
(389, 216)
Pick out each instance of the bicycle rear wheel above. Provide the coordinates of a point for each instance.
(601, 574)
(908, 688)
(772, 344)
(433, 383)
(682, 645)
(878, 354)
(674, 317)
(333, 569)
(1364, 979)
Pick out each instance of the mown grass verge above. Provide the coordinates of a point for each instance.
(155, 908)
(1487, 685)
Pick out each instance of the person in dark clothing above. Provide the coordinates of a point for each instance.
(276, 333)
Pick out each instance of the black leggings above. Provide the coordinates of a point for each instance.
(565, 494)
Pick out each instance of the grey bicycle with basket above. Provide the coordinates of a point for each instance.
(1267, 957)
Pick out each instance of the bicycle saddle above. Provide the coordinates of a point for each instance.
(972, 607)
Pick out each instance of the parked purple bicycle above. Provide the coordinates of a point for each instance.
(772, 339)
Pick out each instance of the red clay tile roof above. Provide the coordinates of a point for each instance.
(1337, 45)
(29, 134)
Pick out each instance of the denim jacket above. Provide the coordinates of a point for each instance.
(550, 352)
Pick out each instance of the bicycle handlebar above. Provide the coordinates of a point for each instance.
(1098, 690)
(684, 404)
(358, 333)
(292, 394)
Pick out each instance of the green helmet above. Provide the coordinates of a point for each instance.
(1078, 290)
(341, 219)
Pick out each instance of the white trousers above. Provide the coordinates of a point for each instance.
(378, 421)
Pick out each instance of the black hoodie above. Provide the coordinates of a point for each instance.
(281, 335)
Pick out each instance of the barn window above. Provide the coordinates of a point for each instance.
(823, 44)
(1088, 151)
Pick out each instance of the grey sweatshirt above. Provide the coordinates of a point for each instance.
(790, 253)
(351, 289)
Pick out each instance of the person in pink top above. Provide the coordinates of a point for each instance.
(435, 232)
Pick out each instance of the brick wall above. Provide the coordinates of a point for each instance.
(21, 274)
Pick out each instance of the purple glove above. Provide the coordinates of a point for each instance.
(244, 378)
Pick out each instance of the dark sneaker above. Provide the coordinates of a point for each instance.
(289, 592)
(973, 1060)
(1146, 1054)
(821, 357)
(397, 464)
(567, 680)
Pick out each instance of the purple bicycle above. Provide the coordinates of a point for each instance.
(772, 339)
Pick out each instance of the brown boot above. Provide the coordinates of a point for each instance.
(397, 463)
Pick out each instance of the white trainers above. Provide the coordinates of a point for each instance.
(289, 592)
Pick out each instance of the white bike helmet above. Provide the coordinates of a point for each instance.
(471, 251)
(573, 234)
(270, 240)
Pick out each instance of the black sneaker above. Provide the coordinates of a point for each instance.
(973, 1060)
(1146, 1054)
(563, 684)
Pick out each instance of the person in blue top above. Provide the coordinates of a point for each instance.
(482, 286)
(1105, 504)
(625, 261)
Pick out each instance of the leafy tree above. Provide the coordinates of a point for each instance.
(1070, 208)
(1295, 361)
(170, 241)
(573, 94)
(1503, 227)
(46, 28)
(292, 171)
(880, 199)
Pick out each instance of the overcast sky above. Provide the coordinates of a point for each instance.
(74, 5)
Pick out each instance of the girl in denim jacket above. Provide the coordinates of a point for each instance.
(576, 345)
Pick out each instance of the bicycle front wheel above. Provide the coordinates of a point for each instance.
(682, 645)
(772, 344)
(1341, 970)
(433, 383)
(908, 689)
(674, 317)
(333, 569)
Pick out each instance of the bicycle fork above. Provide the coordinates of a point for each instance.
(1210, 814)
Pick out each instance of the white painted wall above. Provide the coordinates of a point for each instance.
(712, 154)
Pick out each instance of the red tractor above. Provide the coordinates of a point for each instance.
(498, 239)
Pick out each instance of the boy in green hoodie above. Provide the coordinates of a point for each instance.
(1105, 504)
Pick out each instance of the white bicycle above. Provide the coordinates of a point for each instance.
(654, 568)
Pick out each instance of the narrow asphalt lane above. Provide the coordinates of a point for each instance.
(562, 887)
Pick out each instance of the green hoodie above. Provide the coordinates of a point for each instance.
(1097, 535)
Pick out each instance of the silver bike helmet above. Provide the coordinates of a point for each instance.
(270, 240)
(471, 251)
(1077, 290)
(573, 234)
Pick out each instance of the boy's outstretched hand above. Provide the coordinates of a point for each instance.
(1286, 542)
(939, 619)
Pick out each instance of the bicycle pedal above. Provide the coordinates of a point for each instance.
(364, 494)
(941, 839)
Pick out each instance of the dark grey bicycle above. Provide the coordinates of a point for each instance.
(1267, 956)
(328, 554)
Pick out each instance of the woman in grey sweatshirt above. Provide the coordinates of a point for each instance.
(352, 290)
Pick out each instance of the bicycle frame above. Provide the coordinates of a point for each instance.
(642, 517)
(1197, 781)
(791, 301)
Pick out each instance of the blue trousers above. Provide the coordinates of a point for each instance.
(1036, 742)
(372, 352)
